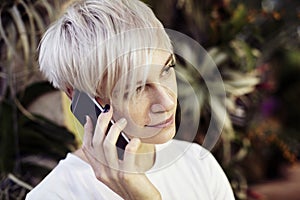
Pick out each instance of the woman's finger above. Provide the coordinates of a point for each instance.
(109, 144)
(130, 155)
(101, 127)
(88, 132)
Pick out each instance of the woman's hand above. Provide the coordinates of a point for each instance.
(119, 175)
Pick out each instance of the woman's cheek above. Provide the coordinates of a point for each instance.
(138, 114)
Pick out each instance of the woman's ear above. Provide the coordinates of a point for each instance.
(69, 92)
(101, 101)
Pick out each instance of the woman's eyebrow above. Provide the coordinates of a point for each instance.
(169, 59)
(137, 83)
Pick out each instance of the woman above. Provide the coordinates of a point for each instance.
(118, 52)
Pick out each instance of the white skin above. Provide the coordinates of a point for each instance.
(149, 119)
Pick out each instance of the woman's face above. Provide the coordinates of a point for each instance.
(151, 112)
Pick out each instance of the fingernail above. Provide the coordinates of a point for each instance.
(106, 108)
(86, 119)
(136, 141)
(122, 121)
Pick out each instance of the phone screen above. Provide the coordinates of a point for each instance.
(82, 105)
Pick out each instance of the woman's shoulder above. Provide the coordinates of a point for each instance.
(71, 163)
(202, 161)
(58, 180)
(195, 155)
(192, 148)
(179, 151)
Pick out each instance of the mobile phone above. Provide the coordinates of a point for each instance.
(83, 104)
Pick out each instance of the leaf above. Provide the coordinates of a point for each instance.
(31, 27)
(15, 13)
(38, 19)
(7, 137)
(33, 91)
(10, 47)
(238, 19)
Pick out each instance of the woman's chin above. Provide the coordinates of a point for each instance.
(162, 137)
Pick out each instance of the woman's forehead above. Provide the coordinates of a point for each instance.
(148, 71)
(160, 57)
(155, 60)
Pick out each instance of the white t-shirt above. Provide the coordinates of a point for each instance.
(182, 170)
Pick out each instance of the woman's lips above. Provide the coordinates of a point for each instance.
(164, 123)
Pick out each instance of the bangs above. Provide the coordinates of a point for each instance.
(131, 55)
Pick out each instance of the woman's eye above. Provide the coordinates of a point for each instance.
(167, 69)
(138, 89)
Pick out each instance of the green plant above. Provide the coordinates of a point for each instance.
(30, 145)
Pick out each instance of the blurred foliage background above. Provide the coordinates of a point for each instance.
(255, 45)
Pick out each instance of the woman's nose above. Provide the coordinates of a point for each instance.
(163, 100)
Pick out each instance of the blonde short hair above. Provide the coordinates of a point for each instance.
(100, 40)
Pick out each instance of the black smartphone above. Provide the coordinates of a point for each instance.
(83, 104)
